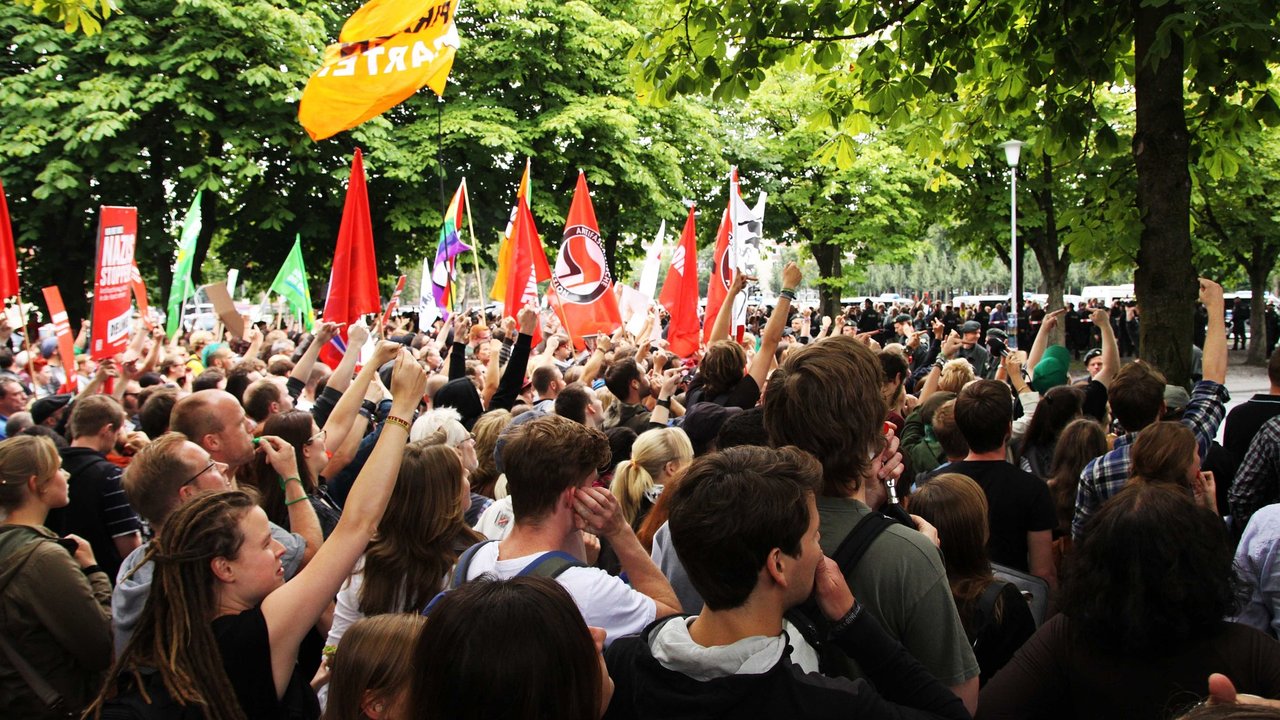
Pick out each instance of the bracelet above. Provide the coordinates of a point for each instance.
(369, 406)
(295, 501)
(398, 421)
(848, 618)
(789, 289)
(284, 481)
(92, 569)
(787, 293)
(664, 402)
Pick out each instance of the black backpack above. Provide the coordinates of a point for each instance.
(548, 565)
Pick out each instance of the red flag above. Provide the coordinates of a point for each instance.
(395, 301)
(528, 263)
(140, 294)
(721, 276)
(62, 331)
(680, 293)
(581, 280)
(353, 282)
(8, 258)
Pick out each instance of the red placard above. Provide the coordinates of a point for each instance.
(61, 330)
(112, 309)
(395, 300)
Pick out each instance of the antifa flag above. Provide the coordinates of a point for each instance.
(387, 51)
(680, 293)
(581, 280)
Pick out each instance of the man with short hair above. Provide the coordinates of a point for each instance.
(166, 473)
(215, 421)
(13, 398)
(746, 525)
(629, 385)
(974, 351)
(1245, 420)
(580, 404)
(98, 510)
(547, 381)
(550, 464)
(1137, 400)
(1020, 512)
(266, 397)
(826, 400)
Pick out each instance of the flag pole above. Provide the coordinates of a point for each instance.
(471, 232)
(26, 335)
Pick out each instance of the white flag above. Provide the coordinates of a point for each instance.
(652, 262)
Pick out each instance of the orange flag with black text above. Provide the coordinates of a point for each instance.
(581, 279)
(680, 293)
(387, 51)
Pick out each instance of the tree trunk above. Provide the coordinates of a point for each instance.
(828, 259)
(1054, 263)
(1259, 269)
(1165, 281)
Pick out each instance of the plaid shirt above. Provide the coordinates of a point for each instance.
(1105, 476)
(1256, 482)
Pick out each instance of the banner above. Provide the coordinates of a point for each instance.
(225, 308)
(388, 51)
(450, 246)
(62, 331)
(653, 263)
(117, 231)
(353, 280)
(721, 276)
(182, 287)
(291, 284)
(581, 279)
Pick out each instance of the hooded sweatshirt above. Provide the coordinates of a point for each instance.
(663, 673)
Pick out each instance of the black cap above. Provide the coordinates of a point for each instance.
(47, 406)
(970, 326)
(902, 317)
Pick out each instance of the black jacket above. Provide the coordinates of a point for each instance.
(643, 688)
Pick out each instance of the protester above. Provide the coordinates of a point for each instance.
(369, 674)
(1142, 619)
(55, 624)
(656, 457)
(299, 431)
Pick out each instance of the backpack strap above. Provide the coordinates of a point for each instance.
(986, 610)
(550, 565)
(859, 540)
(464, 564)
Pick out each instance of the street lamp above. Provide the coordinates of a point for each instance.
(1012, 149)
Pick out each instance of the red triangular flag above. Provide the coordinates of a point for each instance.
(140, 294)
(353, 282)
(526, 255)
(581, 279)
(680, 293)
(8, 258)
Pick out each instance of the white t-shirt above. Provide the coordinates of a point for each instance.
(604, 600)
(497, 520)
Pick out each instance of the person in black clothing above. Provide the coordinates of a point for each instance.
(1244, 420)
(1239, 324)
(98, 511)
(1020, 509)
(745, 524)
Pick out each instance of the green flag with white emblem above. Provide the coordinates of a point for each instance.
(291, 282)
(182, 287)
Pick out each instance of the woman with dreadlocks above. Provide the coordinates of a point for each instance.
(221, 629)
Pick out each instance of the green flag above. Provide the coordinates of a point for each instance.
(291, 282)
(182, 287)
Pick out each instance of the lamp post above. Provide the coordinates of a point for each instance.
(1012, 149)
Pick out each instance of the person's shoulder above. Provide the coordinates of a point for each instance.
(904, 547)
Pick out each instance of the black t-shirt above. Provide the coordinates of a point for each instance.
(1095, 400)
(745, 394)
(1017, 503)
(246, 657)
(98, 510)
(1245, 420)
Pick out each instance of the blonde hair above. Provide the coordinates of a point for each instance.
(955, 375)
(650, 453)
(22, 458)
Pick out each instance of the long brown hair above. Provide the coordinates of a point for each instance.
(1081, 440)
(956, 505)
(175, 634)
(421, 534)
(375, 657)
(1163, 452)
(721, 368)
(294, 427)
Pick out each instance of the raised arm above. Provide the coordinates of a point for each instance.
(339, 422)
(720, 329)
(302, 370)
(1214, 362)
(772, 334)
(1042, 337)
(1110, 349)
(341, 376)
(291, 610)
(600, 510)
(513, 377)
(302, 516)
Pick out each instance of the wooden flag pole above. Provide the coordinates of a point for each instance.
(471, 233)
(26, 335)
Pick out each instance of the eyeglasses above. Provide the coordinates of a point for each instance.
(222, 467)
(318, 436)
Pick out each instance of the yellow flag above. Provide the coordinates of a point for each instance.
(381, 61)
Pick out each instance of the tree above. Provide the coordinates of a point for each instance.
(83, 15)
(968, 67)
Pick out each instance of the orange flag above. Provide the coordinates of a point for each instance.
(389, 50)
(504, 250)
(680, 293)
(527, 260)
(581, 279)
(140, 294)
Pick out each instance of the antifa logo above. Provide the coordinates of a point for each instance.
(726, 266)
(581, 275)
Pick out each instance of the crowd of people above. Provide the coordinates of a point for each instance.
(883, 514)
